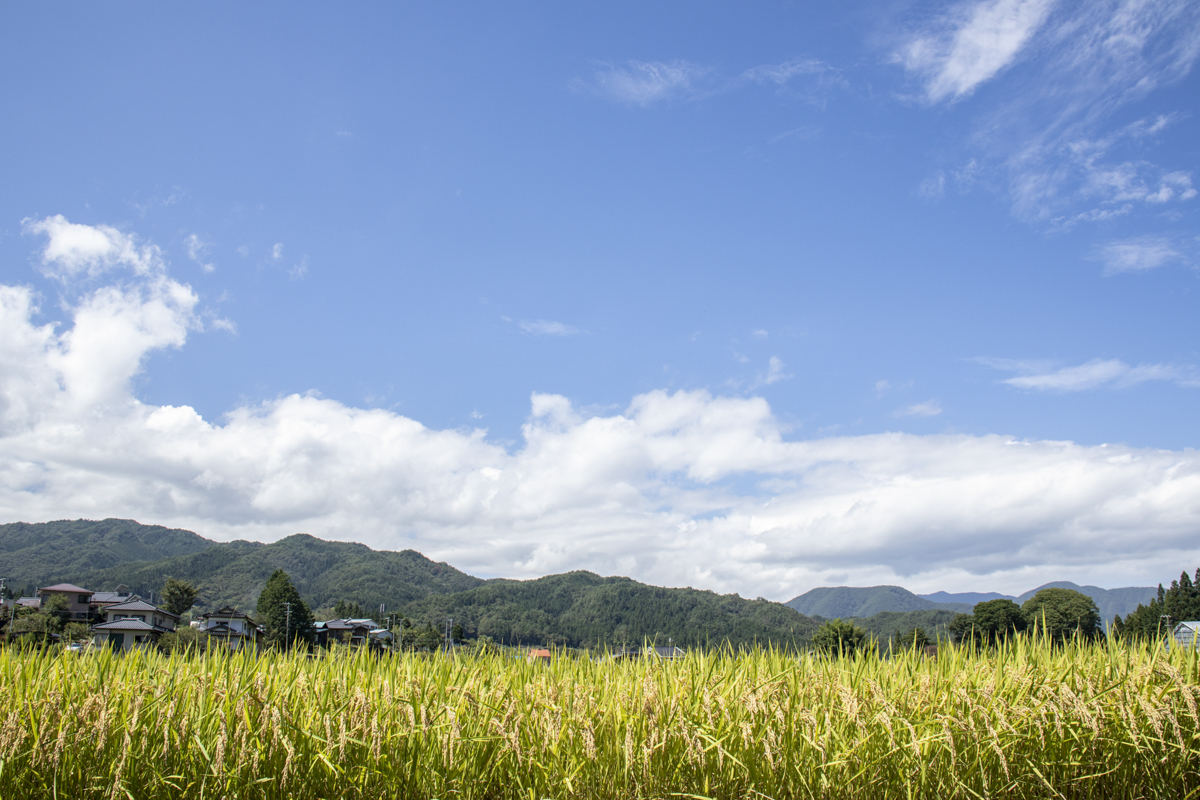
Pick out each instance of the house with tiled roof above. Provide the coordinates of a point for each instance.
(78, 598)
(134, 623)
(230, 627)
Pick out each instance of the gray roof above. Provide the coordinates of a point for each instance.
(227, 611)
(113, 597)
(129, 625)
(221, 629)
(140, 605)
(65, 587)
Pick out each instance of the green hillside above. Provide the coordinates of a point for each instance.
(324, 573)
(582, 609)
(48, 552)
(1110, 602)
(886, 624)
(866, 601)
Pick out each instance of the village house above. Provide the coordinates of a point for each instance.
(348, 631)
(230, 627)
(538, 655)
(134, 623)
(78, 599)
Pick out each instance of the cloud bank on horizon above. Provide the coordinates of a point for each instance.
(679, 488)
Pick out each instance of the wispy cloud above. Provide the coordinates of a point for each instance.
(545, 327)
(971, 44)
(930, 408)
(197, 250)
(1138, 254)
(775, 371)
(1095, 374)
(1049, 138)
(644, 83)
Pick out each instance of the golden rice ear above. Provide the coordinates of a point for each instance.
(1088, 720)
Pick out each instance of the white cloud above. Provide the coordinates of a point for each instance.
(930, 408)
(544, 327)
(277, 251)
(1138, 254)
(1049, 136)
(971, 44)
(197, 250)
(679, 488)
(759, 333)
(1095, 374)
(74, 250)
(644, 83)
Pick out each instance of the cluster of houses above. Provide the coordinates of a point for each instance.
(123, 620)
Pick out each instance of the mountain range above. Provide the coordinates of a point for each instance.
(867, 601)
(575, 608)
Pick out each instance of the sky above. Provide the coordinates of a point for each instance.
(750, 297)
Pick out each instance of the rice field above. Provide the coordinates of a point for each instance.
(1085, 721)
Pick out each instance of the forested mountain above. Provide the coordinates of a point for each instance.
(886, 624)
(584, 609)
(48, 552)
(324, 573)
(866, 601)
(577, 608)
(1110, 602)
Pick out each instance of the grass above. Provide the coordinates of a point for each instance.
(1027, 720)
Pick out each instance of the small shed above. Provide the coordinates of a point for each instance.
(538, 655)
(1187, 634)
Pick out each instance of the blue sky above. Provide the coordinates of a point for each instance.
(879, 245)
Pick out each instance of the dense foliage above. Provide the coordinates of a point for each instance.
(840, 637)
(581, 609)
(1025, 720)
(36, 554)
(286, 619)
(1179, 603)
(1058, 613)
(887, 625)
(864, 601)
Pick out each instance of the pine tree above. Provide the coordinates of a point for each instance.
(282, 631)
(1177, 604)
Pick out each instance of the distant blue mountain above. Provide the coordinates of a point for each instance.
(970, 598)
(855, 601)
(866, 601)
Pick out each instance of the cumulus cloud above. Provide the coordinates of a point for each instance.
(1095, 374)
(74, 250)
(545, 327)
(971, 44)
(930, 408)
(682, 488)
(644, 83)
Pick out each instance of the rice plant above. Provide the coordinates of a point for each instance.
(1025, 720)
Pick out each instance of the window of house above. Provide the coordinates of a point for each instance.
(83, 598)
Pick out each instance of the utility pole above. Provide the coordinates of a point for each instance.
(287, 626)
(2, 603)
(449, 644)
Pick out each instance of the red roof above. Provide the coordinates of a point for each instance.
(65, 587)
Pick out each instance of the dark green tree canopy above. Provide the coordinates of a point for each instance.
(915, 637)
(838, 636)
(999, 619)
(1062, 614)
(178, 596)
(284, 629)
(1179, 603)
